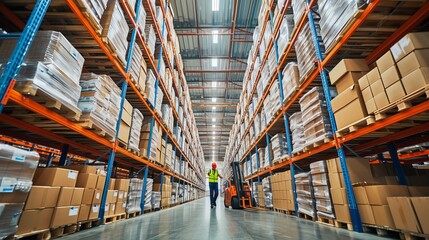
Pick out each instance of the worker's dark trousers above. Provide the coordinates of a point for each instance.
(214, 191)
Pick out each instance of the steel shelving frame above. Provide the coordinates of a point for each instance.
(338, 143)
(7, 94)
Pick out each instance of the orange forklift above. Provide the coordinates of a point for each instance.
(237, 192)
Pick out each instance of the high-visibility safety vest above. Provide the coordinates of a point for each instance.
(213, 177)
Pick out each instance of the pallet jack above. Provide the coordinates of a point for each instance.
(237, 192)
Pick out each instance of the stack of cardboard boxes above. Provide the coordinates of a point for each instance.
(145, 137)
(399, 72)
(126, 120)
(166, 190)
(282, 191)
(261, 196)
(17, 167)
(348, 106)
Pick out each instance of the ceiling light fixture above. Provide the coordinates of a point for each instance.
(214, 62)
(215, 36)
(214, 120)
(214, 126)
(214, 99)
(215, 5)
(214, 132)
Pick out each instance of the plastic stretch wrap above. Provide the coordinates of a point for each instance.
(136, 125)
(141, 21)
(9, 216)
(95, 8)
(100, 101)
(290, 80)
(305, 52)
(150, 38)
(136, 62)
(320, 182)
(305, 196)
(297, 130)
(261, 152)
(156, 200)
(298, 7)
(134, 194)
(268, 199)
(268, 156)
(285, 33)
(117, 31)
(279, 145)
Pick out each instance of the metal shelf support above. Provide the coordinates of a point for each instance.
(397, 164)
(64, 152)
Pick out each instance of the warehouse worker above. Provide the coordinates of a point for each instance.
(213, 184)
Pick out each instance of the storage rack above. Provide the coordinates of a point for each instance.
(392, 131)
(73, 138)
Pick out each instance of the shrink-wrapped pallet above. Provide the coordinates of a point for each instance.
(305, 196)
(136, 125)
(134, 195)
(279, 146)
(319, 176)
(150, 38)
(156, 200)
(297, 129)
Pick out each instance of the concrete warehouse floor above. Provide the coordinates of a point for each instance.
(195, 220)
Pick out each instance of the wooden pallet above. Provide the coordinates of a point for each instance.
(122, 144)
(404, 103)
(44, 234)
(356, 126)
(88, 124)
(93, 22)
(39, 96)
(133, 214)
(317, 144)
(381, 231)
(64, 230)
(114, 218)
(284, 211)
(112, 50)
(414, 236)
(305, 216)
(88, 224)
(344, 225)
(326, 220)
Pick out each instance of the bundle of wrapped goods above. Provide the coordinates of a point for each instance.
(136, 126)
(99, 102)
(255, 163)
(275, 98)
(160, 19)
(297, 129)
(305, 196)
(134, 194)
(271, 63)
(16, 173)
(167, 115)
(155, 139)
(95, 8)
(305, 52)
(119, 206)
(279, 145)
(315, 117)
(52, 66)
(169, 155)
(349, 105)
(319, 178)
(150, 38)
(298, 7)
(262, 162)
(257, 124)
(285, 33)
(255, 194)
(268, 195)
(150, 87)
(136, 63)
(160, 64)
(115, 29)
(290, 80)
(156, 200)
(335, 16)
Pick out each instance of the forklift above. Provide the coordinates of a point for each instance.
(237, 192)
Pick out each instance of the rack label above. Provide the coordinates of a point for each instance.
(95, 208)
(7, 184)
(73, 211)
(72, 174)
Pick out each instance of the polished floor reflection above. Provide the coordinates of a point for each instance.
(195, 220)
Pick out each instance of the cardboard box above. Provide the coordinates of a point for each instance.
(65, 215)
(421, 209)
(378, 194)
(342, 213)
(55, 177)
(124, 132)
(373, 76)
(112, 184)
(339, 196)
(84, 212)
(87, 180)
(363, 82)
(410, 42)
(97, 197)
(120, 207)
(347, 65)
(101, 180)
(418, 191)
(112, 208)
(390, 76)
(333, 165)
(336, 180)
(381, 100)
(128, 107)
(367, 94)
(13, 197)
(42, 197)
(65, 196)
(403, 214)
(360, 195)
(94, 211)
(416, 80)
(122, 184)
(77, 197)
(83, 168)
(382, 216)
(350, 113)
(34, 220)
(347, 80)
(121, 196)
(385, 62)
(395, 92)
(366, 214)
(370, 106)
(413, 61)
(377, 87)
(88, 195)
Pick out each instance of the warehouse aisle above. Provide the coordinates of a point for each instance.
(195, 220)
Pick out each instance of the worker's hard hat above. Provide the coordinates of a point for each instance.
(214, 165)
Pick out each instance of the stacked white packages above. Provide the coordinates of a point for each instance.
(134, 195)
(304, 192)
(297, 129)
(156, 200)
(135, 132)
(319, 178)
